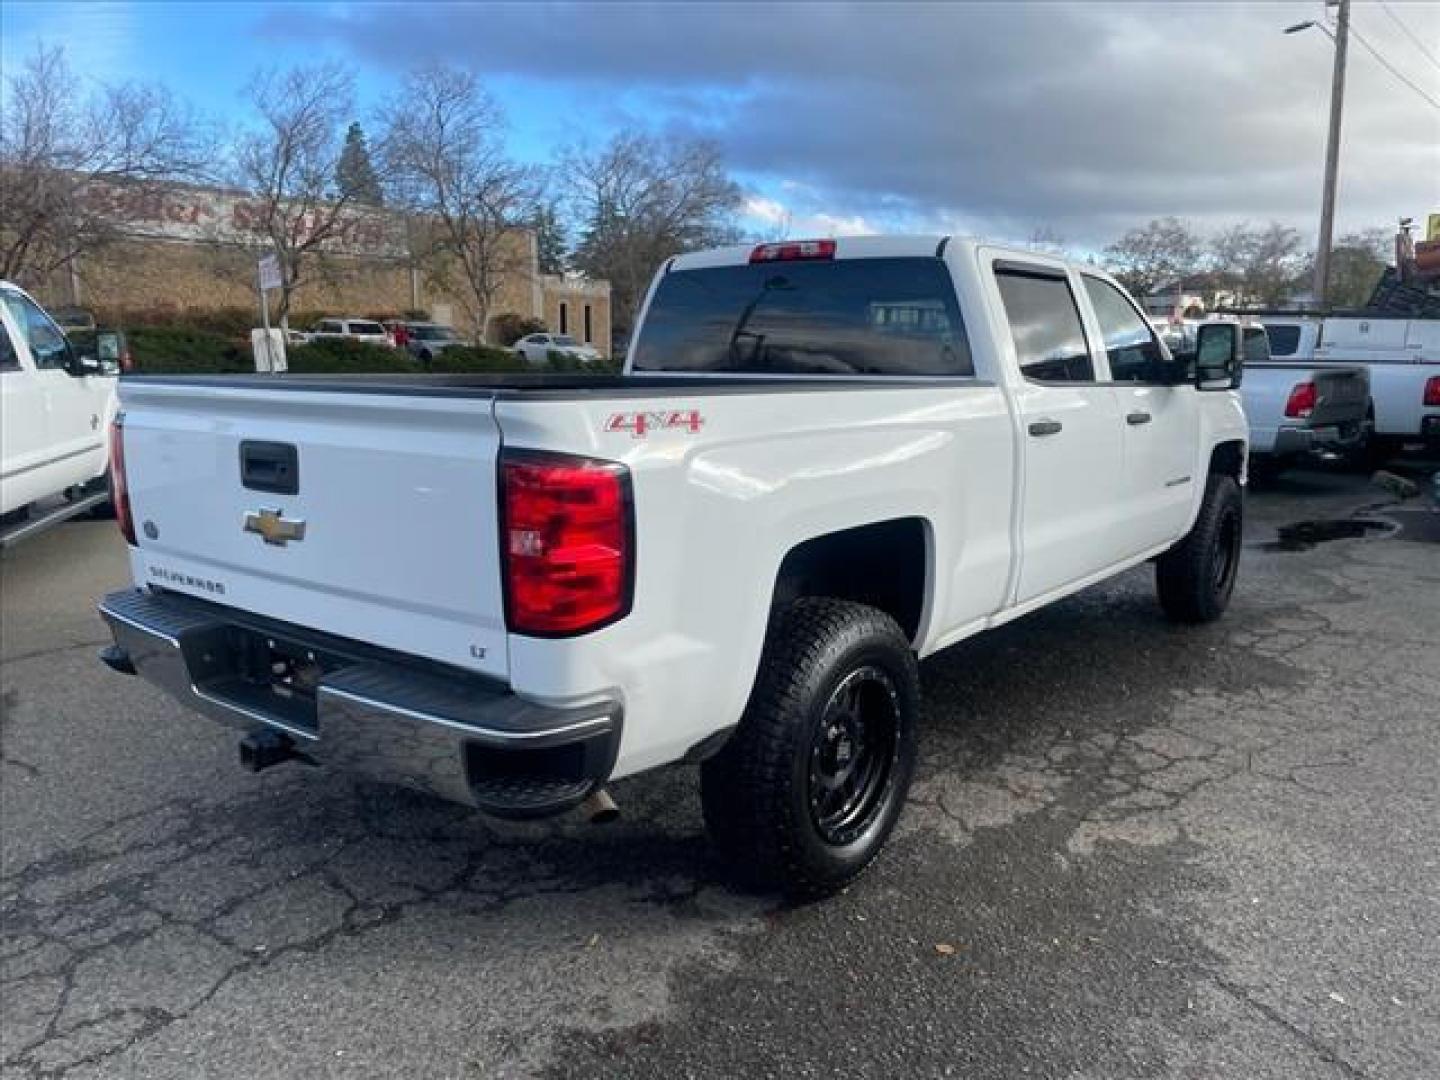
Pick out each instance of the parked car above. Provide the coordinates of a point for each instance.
(426, 340)
(1295, 411)
(1402, 357)
(366, 330)
(536, 348)
(55, 410)
(825, 460)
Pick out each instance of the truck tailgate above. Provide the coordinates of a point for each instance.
(386, 533)
(1342, 394)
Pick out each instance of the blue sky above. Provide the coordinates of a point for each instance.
(983, 118)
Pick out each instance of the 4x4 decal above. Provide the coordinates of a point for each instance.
(641, 424)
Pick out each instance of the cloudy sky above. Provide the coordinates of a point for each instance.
(996, 119)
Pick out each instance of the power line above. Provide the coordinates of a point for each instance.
(1414, 37)
(1432, 102)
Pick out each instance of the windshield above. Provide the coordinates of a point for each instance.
(843, 317)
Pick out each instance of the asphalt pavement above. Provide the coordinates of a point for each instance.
(1133, 850)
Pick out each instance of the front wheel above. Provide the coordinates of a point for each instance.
(807, 790)
(1196, 577)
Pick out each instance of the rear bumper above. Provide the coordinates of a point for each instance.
(454, 735)
(1298, 441)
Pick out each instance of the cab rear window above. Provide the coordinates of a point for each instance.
(889, 316)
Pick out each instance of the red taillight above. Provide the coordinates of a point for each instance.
(1432, 392)
(119, 488)
(567, 537)
(1302, 401)
(794, 251)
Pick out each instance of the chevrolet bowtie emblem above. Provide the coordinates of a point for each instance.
(274, 526)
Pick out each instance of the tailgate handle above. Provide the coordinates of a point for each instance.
(270, 466)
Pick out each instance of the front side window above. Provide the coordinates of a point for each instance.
(1045, 325)
(373, 329)
(48, 347)
(881, 316)
(1135, 354)
(1257, 345)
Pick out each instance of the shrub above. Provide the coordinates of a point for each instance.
(463, 358)
(337, 356)
(509, 327)
(184, 350)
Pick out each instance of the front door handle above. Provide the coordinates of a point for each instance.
(1046, 427)
(1137, 418)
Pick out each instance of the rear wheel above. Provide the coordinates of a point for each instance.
(806, 792)
(1196, 577)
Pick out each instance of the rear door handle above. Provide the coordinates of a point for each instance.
(1046, 427)
(1138, 418)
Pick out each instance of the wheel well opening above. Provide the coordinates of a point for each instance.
(882, 565)
(1227, 458)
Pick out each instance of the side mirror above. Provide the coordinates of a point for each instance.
(1218, 360)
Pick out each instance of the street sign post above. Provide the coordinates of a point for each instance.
(269, 272)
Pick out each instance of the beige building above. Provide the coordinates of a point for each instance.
(188, 249)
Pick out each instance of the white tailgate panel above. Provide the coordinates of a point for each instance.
(397, 494)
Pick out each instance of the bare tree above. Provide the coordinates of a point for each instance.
(638, 201)
(1260, 265)
(66, 155)
(1047, 239)
(443, 149)
(1157, 254)
(290, 163)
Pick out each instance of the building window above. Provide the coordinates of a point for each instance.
(564, 318)
(588, 338)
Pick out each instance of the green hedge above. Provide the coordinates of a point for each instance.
(177, 350)
(186, 350)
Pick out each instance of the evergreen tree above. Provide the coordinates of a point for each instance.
(355, 173)
(549, 239)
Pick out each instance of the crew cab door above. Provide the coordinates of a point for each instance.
(1160, 423)
(59, 416)
(1070, 430)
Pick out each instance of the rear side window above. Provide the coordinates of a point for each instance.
(1130, 344)
(1045, 324)
(1284, 340)
(890, 316)
(1257, 345)
(9, 361)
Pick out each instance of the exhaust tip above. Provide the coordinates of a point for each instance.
(599, 807)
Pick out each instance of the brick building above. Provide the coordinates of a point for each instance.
(189, 249)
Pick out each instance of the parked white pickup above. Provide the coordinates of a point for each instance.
(1401, 355)
(55, 413)
(825, 460)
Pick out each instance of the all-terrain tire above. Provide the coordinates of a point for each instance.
(764, 795)
(1196, 577)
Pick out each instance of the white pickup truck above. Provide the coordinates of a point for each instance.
(825, 460)
(55, 411)
(1295, 410)
(1402, 357)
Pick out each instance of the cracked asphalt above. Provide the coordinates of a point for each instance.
(1133, 850)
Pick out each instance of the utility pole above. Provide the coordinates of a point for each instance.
(1321, 287)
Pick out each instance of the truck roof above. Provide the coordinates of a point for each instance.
(877, 247)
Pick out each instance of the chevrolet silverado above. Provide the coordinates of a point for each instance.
(823, 461)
